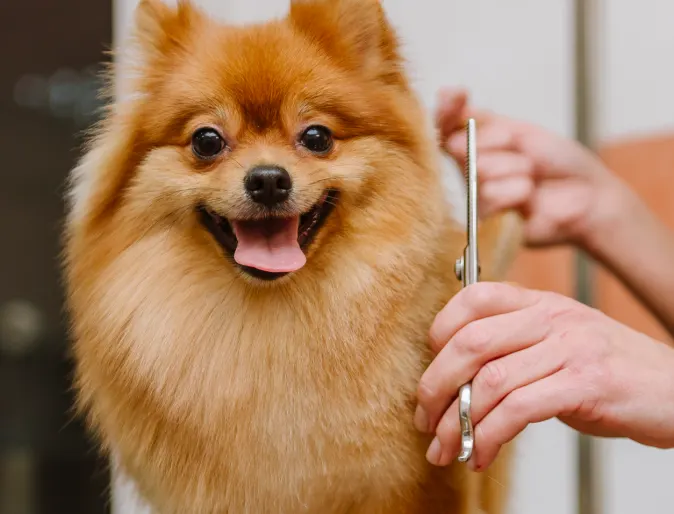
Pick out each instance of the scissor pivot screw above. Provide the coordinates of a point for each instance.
(458, 268)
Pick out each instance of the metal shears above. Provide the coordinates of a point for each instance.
(467, 270)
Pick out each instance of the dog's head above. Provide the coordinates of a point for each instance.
(283, 140)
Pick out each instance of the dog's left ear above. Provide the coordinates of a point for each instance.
(161, 29)
(354, 32)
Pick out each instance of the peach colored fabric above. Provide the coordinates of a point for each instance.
(550, 270)
(647, 164)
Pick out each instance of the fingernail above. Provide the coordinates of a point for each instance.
(434, 453)
(421, 419)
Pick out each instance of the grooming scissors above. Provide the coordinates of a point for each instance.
(468, 271)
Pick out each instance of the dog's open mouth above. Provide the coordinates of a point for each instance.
(272, 247)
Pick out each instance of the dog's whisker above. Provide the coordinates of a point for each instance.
(328, 201)
(335, 179)
(495, 481)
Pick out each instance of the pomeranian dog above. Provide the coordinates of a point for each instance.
(257, 244)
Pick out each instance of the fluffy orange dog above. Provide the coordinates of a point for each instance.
(258, 242)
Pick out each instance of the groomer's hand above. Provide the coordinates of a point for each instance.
(533, 356)
(564, 191)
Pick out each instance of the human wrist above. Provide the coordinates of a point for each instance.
(621, 231)
(660, 430)
(668, 441)
(616, 213)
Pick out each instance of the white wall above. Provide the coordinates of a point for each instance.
(636, 71)
(515, 57)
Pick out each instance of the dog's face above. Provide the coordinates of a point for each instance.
(281, 139)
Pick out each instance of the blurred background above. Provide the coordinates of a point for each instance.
(49, 57)
(518, 57)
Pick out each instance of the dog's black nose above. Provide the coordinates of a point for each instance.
(268, 185)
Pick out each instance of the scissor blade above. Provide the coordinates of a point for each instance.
(471, 254)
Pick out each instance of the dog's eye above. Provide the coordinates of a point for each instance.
(207, 143)
(317, 139)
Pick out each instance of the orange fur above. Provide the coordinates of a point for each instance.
(219, 393)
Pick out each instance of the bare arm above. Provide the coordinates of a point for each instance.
(637, 247)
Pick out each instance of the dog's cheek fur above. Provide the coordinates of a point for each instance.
(220, 396)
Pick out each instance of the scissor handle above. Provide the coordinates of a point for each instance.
(467, 436)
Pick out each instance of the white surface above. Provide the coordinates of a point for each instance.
(125, 497)
(637, 75)
(637, 479)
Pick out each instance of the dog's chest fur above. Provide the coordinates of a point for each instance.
(297, 402)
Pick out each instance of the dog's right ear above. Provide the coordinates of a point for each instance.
(161, 29)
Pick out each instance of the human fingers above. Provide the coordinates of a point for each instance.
(450, 111)
(559, 211)
(554, 396)
(492, 384)
(495, 165)
(505, 194)
(493, 134)
(478, 301)
(468, 351)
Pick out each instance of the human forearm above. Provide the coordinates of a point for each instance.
(627, 237)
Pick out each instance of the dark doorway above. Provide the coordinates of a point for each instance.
(50, 52)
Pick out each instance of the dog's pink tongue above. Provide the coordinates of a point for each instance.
(269, 245)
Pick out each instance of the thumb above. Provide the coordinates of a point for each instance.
(451, 109)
